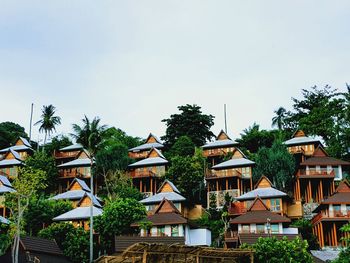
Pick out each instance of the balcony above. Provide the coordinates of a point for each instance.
(220, 196)
(323, 172)
(138, 155)
(140, 174)
(330, 216)
(72, 174)
(217, 152)
(63, 155)
(222, 174)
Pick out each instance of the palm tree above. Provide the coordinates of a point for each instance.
(48, 121)
(278, 120)
(89, 135)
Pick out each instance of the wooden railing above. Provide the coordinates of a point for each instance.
(216, 152)
(136, 174)
(138, 155)
(59, 155)
(314, 172)
(222, 173)
(74, 173)
(335, 214)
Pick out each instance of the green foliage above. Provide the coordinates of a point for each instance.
(145, 224)
(187, 173)
(344, 255)
(305, 229)
(253, 138)
(44, 162)
(41, 211)
(190, 122)
(272, 250)
(57, 143)
(74, 242)
(112, 158)
(116, 219)
(119, 185)
(182, 147)
(279, 119)
(276, 164)
(113, 136)
(9, 133)
(48, 121)
(5, 238)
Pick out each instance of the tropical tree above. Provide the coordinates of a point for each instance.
(278, 120)
(9, 133)
(48, 121)
(90, 135)
(182, 147)
(190, 122)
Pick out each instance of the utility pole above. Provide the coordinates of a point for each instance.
(30, 123)
(225, 118)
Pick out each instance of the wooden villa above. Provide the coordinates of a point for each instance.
(148, 173)
(78, 166)
(67, 154)
(332, 213)
(142, 151)
(5, 187)
(13, 157)
(233, 177)
(302, 144)
(258, 221)
(221, 147)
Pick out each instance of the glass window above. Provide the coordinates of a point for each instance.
(275, 204)
(347, 207)
(274, 228)
(174, 230)
(161, 231)
(245, 228)
(336, 208)
(260, 228)
(336, 172)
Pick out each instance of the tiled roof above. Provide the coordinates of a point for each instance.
(324, 161)
(149, 161)
(262, 192)
(259, 217)
(165, 219)
(157, 198)
(78, 213)
(3, 220)
(41, 245)
(73, 147)
(301, 140)
(250, 238)
(236, 162)
(220, 143)
(76, 162)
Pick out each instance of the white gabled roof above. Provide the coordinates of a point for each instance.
(157, 198)
(149, 161)
(73, 147)
(76, 162)
(147, 146)
(220, 143)
(70, 195)
(26, 146)
(301, 140)
(78, 213)
(262, 193)
(236, 162)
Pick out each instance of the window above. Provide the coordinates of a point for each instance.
(161, 231)
(275, 204)
(348, 208)
(245, 228)
(260, 228)
(174, 230)
(275, 228)
(245, 171)
(336, 172)
(336, 208)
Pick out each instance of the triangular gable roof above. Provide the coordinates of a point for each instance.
(166, 206)
(152, 138)
(88, 196)
(162, 188)
(263, 182)
(237, 153)
(343, 187)
(320, 152)
(258, 205)
(81, 183)
(23, 141)
(154, 152)
(222, 136)
(4, 181)
(72, 147)
(14, 154)
(299, 133)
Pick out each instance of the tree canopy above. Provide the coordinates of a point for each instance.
(48, 121)
(190, 122)
(9, 133)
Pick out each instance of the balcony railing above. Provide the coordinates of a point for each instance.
(331, 215)
(318, 172)
(138, 155)
(70, 174)
(223, 173)
(59, 155)
(135, 174)
(217, 152)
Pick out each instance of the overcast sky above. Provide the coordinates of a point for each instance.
(133, 62)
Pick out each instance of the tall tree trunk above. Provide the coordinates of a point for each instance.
(91, 212)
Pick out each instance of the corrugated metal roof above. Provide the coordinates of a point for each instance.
(220, 143)
(147, 146)
(76, 146)
(157, 198)
(236, 162)
(82, 183)
(78, 213)
(76, 162)
(9, 162)
(6, 189)
(16, 148)
(70, 195)
(261, 192)
(149, 161)
(25, 142)
(3, 220)
(301, 140)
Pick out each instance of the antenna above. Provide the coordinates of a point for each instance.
(30, 123)
(225, 118)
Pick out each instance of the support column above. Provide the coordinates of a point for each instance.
(310, 192)
(141, 190)
(239, 186)
(321, 188)
(226, 183)
(251, 183)
(333, 187)
(151, 184)
(335, 235)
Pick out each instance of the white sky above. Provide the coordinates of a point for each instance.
(133, 62)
